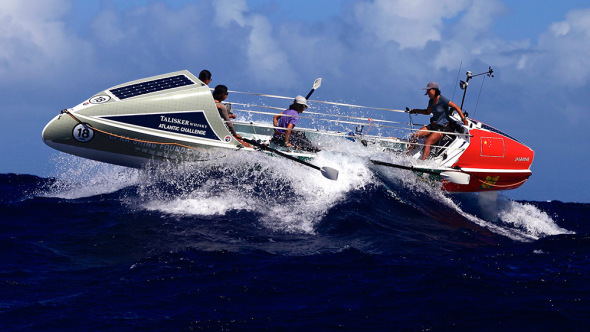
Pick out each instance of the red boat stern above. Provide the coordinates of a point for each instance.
(494, 161)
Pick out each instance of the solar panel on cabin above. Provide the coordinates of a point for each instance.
(492, 129)
(151, 86)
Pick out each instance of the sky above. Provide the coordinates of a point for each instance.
(54, 54)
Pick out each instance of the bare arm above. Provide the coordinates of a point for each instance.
(456, 108)
(288, 134)
(223, 112)
(427, 111)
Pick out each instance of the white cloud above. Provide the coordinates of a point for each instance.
(563, 50)
(143, 40)
(409, 23)
(227, 11)
(478, 18)
(471, 36)
(266, 58)
(559, 28)
(34, 38)
(106, 27)
(265, 55)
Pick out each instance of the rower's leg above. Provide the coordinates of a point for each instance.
(430, 140)
(423, 132)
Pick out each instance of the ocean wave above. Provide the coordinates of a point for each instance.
(288, 197)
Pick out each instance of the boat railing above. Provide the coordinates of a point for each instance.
(335, 118)
(386, 142)
(380, 131)
(319, 115)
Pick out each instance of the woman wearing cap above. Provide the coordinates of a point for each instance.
(288, 120)
(441, 109)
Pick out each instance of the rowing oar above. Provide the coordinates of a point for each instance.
(316, 84)
(457, 177)
(409, 168)
(327, 172)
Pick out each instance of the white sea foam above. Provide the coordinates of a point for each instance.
(288, 196)
(201, 204)
(518, 221)
(492, 225)
(522, 222)
(79, 178)
(530, 219)
(294, 197)
(515, 220)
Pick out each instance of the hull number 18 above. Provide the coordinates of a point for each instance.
(83, 132)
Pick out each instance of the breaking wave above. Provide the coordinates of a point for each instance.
(287, 197)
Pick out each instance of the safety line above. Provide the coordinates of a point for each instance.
(128, 138)
(320, 101)
(307, 112)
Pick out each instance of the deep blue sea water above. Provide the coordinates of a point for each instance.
(225, 246)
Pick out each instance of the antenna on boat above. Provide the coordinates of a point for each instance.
(458, 72)
(464, 84)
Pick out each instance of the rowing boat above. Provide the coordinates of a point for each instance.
(173, 117)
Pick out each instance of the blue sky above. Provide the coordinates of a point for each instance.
(54, 54)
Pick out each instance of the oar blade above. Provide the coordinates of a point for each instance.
(456, 177)
(317, 83)
(329, 173)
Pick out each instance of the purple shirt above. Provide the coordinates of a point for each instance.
(284, 121)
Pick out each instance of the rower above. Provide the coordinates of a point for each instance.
(220, 94)
(288, 119)
(441, 109)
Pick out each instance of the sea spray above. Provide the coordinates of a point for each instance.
(78, 178)
(287, 197)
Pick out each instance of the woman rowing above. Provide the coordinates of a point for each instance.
(441, 109)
